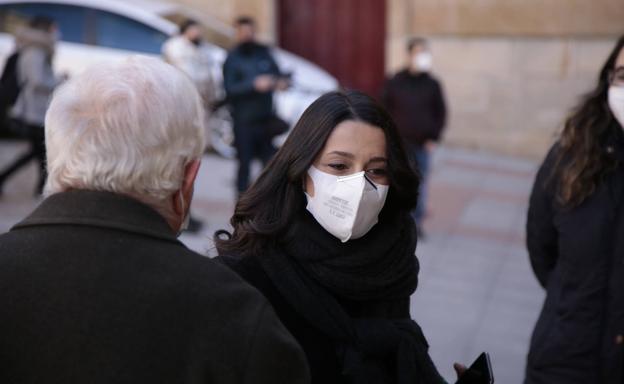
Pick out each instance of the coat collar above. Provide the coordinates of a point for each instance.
(99, 209)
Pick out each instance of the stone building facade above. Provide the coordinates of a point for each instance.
(512, 69)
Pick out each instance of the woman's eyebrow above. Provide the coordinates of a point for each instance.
(343, 154)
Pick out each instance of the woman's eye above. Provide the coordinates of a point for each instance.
(377, 172)
(338, 167)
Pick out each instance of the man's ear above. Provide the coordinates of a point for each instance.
(186, 189)
(190, 174)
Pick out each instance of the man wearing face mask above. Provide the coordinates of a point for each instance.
(415, 100)
(250, 77)
(188, 53)
(94, 285)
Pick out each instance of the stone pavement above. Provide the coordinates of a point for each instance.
(476, 292)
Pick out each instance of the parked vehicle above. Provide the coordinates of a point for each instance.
(93, 31)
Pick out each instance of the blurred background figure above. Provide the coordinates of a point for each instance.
(575, 237)
(415, 100)
(36, 81)
(188, 53)
(250, 76)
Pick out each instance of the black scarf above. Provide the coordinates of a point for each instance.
(317, 274)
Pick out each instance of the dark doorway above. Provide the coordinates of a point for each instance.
(345, 37)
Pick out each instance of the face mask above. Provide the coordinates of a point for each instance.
(345, 206)
(423, 61)
(616, 103)
(187, 217)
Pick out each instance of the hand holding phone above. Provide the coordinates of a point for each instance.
(480, 372)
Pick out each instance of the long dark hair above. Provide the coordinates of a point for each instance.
(266, 210)
(583, 162)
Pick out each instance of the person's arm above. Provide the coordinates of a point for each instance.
(273, 67)
(439, 111)
(234, 84)
(33, 71)
(281, 83)
(274, 355)
(542, 236)
(386, 95)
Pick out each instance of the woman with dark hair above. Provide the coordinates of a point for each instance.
(326, 234)
(575, 238)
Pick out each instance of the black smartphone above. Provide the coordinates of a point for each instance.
(480, 372)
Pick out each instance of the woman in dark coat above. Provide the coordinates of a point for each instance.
(575, 237)
(326, 234)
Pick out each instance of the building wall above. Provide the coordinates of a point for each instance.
(512, 69)
(263, 11)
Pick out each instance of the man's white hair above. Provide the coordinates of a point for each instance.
(129, 128)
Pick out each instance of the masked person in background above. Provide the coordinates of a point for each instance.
(35, 45)
(189, 54)
(575, 238)
(326, 234)
(415, 101)
(250, 77)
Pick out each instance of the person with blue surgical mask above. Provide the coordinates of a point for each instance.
(326, 234)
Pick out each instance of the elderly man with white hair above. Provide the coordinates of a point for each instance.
(94, 285)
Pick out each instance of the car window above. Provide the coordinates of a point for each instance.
(71, 19)
(116, 31)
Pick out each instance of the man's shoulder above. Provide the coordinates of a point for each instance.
(400, 74)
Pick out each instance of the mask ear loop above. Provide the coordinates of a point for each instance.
(370, 181)
(182, 201)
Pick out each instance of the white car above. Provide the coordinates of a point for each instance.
(94, 31)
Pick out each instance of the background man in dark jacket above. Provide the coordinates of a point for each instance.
(250, 76)
(94, 285)
(415, 100)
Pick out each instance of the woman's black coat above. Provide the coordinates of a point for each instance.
(578, 256)
(319, 348)
(322, 291)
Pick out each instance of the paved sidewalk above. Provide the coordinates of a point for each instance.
(476, 292)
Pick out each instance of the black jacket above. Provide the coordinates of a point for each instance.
(578, 256)
(243, 64)
(319, 348)
(416, 103)
(346, 304)
(95, 288)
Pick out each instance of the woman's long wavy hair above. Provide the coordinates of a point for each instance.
(582, 162)
(265, 211)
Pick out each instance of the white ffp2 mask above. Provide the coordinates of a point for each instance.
(616, 103)
(345, 206)
(423, 61)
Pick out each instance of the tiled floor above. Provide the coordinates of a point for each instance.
(476, 292)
